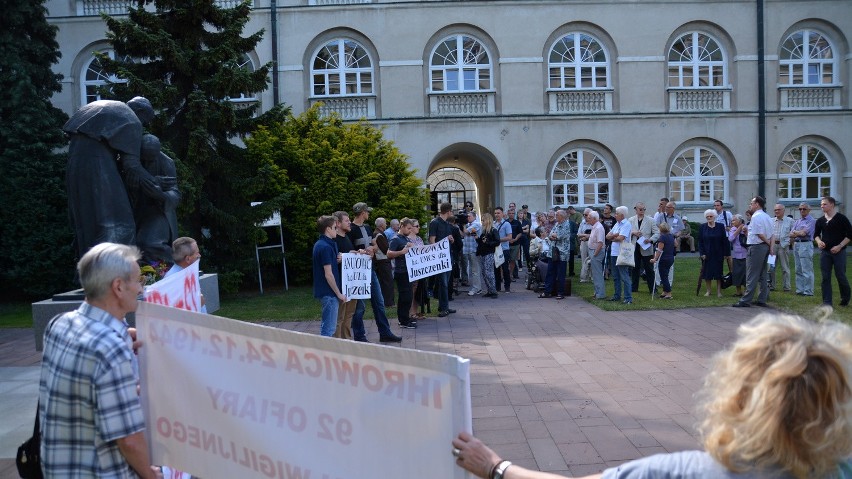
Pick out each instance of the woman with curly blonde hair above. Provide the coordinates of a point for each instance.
(777, 404)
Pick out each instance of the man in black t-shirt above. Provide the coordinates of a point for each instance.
(832, 233)
(397, 250)
(438, 230)
(362, 237)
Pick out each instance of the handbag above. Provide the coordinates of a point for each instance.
(499, 258)
(28, 459)
(727, 281)
(625, 254)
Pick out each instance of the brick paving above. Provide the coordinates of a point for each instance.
(559, 386)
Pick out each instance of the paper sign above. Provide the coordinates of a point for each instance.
(428, 260)
(357, 275)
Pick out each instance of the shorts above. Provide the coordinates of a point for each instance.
(513, 252)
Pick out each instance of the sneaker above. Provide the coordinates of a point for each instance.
(740, 304)
(451, 311)
(408, 325)
(390, 339)
(761, 304)
(614, 299)
(627, 301)
(471, 293)
(442, 314)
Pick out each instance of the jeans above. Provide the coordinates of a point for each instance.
(330, 304)
(597, 272)
(621, 275)
(803, 253)
(827, 261)
(377, 301)
(474, 277)
(556, 272)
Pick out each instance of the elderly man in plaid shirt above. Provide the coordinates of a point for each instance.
(91, 416)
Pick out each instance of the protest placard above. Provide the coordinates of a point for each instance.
(357, 275)
(225, 399)
(179, 290)
(427, 260)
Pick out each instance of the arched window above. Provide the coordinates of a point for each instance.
(460, 64)
(578, 61)
(94, 78)
(697, 176)
(696, 60)
(804, 174)
(342, 67)
(242, 97)
(580, 177)
(807, 59)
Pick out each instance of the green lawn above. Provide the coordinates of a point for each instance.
(683, 291)
(298, 304)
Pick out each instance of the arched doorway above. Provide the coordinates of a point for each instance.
(465, 172)
(451, 185)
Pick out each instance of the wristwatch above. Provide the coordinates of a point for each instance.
(500, 469)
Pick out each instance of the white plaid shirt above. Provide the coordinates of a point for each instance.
(87, 395)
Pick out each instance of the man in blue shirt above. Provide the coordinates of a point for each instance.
(327, 281)
(504, 230)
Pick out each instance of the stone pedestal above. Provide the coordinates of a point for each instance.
(44, 311)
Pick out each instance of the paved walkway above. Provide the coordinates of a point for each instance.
(559, 386)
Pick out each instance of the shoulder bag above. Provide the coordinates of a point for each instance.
(28, 459)
(625, 253)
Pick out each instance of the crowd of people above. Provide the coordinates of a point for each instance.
(490, 248)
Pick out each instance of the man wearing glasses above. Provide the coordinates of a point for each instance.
(832, 233)
(802, 236)
(781, 232)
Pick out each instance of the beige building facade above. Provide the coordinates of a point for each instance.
(548, 103)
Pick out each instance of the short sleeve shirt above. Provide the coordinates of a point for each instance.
(87, 395)
(504, 229)
(325, 253)
(398, 244)
(439, 228)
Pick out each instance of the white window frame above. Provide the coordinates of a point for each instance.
(581, 180)
(100, 79)
(247, 63)
(811, 55)
(691, 177)
(458, 70)
(695, 60)
(811, 164)
(575, 59)
(345, 66)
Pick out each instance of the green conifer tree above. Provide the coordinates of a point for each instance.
(188, 59)
(35, 237)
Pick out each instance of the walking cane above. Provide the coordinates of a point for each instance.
(654, 288)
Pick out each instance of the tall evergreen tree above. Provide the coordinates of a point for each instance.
(188, 57)
(35, 238)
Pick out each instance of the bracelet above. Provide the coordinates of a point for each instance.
(499, 469)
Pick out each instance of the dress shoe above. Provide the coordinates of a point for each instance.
(361, 340)
(390, 339)
(761, 304)
(844, 303)
(627, 301)
(741, 305)
(614, 299)
(408, 325)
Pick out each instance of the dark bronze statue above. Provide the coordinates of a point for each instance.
(105, 170)
(156, 215)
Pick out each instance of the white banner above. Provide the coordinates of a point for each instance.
(357, 275)
(228, 399)
(428, 260)
(180, 290)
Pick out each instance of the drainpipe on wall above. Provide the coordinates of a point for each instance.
(273, 29)
(761, 105)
